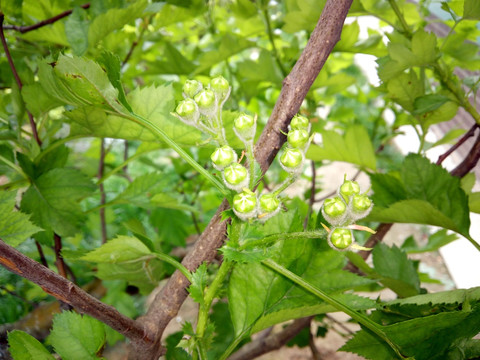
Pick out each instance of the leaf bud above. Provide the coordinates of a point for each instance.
(297, 138)
(220, 86)
(299, 122)
(348, 189)
(192, 88)
(244, 126)
(223, 156)
(245, 204)
(291, 159)
(334, 210)
(235, 176)
(340, 238)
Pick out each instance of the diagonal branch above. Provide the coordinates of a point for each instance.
(24, 29)
(66, 291)
(295, 87)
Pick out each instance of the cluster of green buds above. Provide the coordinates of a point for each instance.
(298, 140)
(202, 106)
(342, 211)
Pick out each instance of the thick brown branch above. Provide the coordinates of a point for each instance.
(469, 162)
(66, 291)
(24, 29)
(295, 87)
(17, 78)
(272, 342)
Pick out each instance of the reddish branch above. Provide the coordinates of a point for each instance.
(17, 78)
(469, 162)
(295, 87)
(24, 29)
(69, 293)
(103, 198)
(464, 138)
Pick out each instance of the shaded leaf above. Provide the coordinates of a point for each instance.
(199, 283)
(23, 346)
(76, 30)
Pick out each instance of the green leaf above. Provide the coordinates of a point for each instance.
(427, 103)
(404, 89)
(76, 30)
(113, 19)
(37, 100)
(354, 147)
(474, 202)
(471, 10)
(120, 249)
(15, 226)
(129, 259)
(172, 225)
(448, 138)
(140, 191)
(432, 196)
(113, 66)
(76, 336)
(53, 200)
(397, 271)
(153, 103)
(435, 242)
(199, 283)
(23, 346)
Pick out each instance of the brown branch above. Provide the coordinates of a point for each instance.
(43, 260)
(24, 29)
(460, 142)
(295, 87)
(17, 78)
(60, 264)
(469, 162)
(68, 292)
(272, 342)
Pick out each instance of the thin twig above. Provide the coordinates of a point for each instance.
(68, 292)
(272, 342)
(41, 254)
(313, 348)
(24, 29)
(295, 87)
(460, 142)
(17, 78)
(103, 197)
(470, 161)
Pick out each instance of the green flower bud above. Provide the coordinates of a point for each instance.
(220, 86)
(334, 210)
(192, 88)
(340, 238)
(291, 159)
(245, 205)
(297, 138)
(361, 206)
(205, 99)
(186, 108)
(245, 127)
(235, 176)
(299, 122)
(348, 189)
(268, 206)
(223, 156)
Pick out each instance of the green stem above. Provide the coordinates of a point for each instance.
(251, 163)
(174, 263)
(183, 154)
(267, 240)
(289, 181)
(55, 145)
(234, 344)
(400, 17)
(266, 16)
(360, 318)
(210, 294)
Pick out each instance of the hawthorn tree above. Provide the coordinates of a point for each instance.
(135, 142)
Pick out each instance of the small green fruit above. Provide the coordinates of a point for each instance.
(297, 138)
(334, 207)
(361, 203)
(244, 122)
(340, 238)
(192, 88)
(269, 203)
(299, 122)
(291, 159)
(223, 156)
(219, 85)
